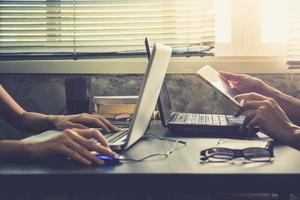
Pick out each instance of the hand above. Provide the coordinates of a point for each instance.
(81, 121)
(267, 114)
(73, 143)
(245, 83)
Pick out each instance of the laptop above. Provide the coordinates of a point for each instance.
(193, 124)
(149, 92)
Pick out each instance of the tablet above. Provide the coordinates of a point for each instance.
(220, 83)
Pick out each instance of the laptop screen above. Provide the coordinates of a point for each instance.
(149, 92)
(164, 104)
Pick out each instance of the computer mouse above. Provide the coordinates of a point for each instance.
(109, 160)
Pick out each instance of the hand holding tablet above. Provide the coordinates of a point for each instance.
(221, 84)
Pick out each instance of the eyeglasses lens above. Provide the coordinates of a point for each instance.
(257, 154)
(219, 154)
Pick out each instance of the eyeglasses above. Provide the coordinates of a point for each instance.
(254, 154)
(123, 116)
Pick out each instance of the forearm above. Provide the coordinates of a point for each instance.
(15, 115)
(12, 149)
(289, 104)
(34, 122)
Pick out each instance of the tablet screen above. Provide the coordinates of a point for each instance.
(221, 84)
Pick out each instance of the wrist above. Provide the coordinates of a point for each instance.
(293, 136)
(31, 147)
(53, 120)
(28, 149)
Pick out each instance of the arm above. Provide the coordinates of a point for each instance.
(15, 115)
(266, 113)
(289, 104)
(73, 143)
(10, 149)
(249, 84)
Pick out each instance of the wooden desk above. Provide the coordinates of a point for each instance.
(180, 173)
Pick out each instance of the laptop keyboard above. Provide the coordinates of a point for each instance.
(206, 119)
(119, 136)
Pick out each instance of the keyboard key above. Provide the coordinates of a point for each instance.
(123, 138)
(109, 135)
(195, 119)
(116, 136)
(223, 120)
(188, 118)
(119, 137)
(208, 120)
(201, 119)
(215, 120)
(180, 118)
(173, 117)
(235, 120)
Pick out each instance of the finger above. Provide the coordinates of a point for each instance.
(74, 155)
(250, 96)
(107, 123)
(91, 121)
(76, 125)
(231, 76)
(253, 122)
(95, 134)
(83, 151)
(248, 105)
(81, 138)
(106, 151)
(246, 121)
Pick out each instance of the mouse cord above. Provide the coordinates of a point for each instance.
(158, 155)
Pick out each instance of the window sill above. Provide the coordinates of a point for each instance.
(137, 65)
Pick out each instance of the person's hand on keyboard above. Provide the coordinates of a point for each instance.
(82, 121)
(73, 143)
(268, 115)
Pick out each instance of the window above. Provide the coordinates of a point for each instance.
(256, 28)
(37, 29)
(274, 21)
(293, 49)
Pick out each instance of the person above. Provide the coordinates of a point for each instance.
(276, 113)
(72, 139)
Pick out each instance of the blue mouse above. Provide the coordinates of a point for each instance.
(109, 159)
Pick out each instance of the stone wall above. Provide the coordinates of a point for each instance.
(46, 93)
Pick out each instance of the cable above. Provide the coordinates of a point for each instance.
(163, 138)
(163, 155)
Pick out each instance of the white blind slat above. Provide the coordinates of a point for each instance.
(66, 26)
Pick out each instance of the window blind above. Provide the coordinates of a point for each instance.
(94, 28)
(293, 47)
